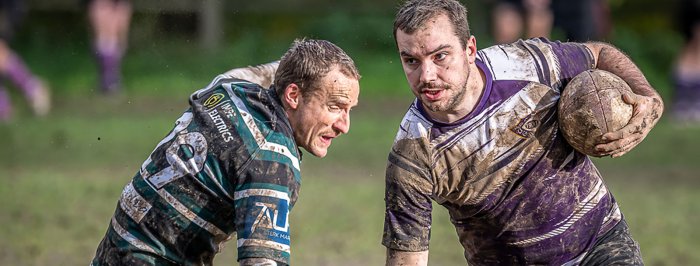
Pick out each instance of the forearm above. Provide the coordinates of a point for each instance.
(258, 262)
(263, 75)
(613, 60)
(647, 105)
(406, 258)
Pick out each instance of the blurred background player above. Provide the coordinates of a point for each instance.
(110, 21)
(686, 103)
(513, 17)
(14, 70)
(581, 20)
(578, 20)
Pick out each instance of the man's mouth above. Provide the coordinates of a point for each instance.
(432, 95)
(327, 139)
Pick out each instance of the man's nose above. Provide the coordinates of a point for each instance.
(343, 123)
(428, 72)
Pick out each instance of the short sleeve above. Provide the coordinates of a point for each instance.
(263, 198)
(262, 222)
(266, 178)
(572, 59)
(552, 63)
(408, 203)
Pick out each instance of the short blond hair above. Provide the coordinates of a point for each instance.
(308, 60)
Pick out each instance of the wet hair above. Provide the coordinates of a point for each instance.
(414, 14)
(307, 61)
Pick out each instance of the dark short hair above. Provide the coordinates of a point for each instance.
(413, 15)
(307, 61)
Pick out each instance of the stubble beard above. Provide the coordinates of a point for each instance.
(450, 104)
(453, 102)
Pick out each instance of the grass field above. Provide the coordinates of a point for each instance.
(60, 176)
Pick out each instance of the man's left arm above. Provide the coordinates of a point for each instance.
(647, 104)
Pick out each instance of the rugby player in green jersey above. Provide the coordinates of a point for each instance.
(230, 167)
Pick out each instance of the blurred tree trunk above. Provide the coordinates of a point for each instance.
(210, 25)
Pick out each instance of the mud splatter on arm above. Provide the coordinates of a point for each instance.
(648, 105)
(408, 199)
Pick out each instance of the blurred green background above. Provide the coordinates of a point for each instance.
(61, 176)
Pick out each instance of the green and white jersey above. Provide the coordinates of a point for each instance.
(229, 166)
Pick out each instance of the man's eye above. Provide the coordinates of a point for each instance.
(410, 61)
(334, 108)
(440, 56)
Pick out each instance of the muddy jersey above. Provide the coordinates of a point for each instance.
(229, 166)
(516, 192)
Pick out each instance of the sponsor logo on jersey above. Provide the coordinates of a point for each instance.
(227, 110)
(526, 127)
(213, 100)
(271, 218)
(220, 124)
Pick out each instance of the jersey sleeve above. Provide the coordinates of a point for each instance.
(552, 63)
(266, 185)
(265, 194)
(571, 59)
(408, 203)
(263, 172)
(262, 222)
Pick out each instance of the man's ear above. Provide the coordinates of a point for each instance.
(471, 49)
(292, 95)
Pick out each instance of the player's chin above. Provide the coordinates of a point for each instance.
(319, 151)
(433, 106)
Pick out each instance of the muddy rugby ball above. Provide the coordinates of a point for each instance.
(590, 106)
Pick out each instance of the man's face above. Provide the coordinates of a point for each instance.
(324, 114)
(436, 65)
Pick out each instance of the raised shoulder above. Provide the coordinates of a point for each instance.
(537, 60)
(263, 75)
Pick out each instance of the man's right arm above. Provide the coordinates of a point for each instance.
(263, 75)
(408, 205)
(406, 258)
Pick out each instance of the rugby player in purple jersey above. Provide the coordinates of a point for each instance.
(482, 140)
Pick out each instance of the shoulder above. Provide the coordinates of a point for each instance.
(414, 124)
(537, 60)
(249, 100)
(530, 47)
(252, 111)
(231, 89)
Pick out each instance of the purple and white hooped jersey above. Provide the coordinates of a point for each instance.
(516, 191)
